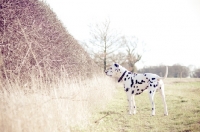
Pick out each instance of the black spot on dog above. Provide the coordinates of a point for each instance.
(150, 81)
(116, 65)
(160, 87)
(133, 92)
(126, 75)
(150, 92)
(154, 85)
(150, 84)
(132, 82)
(124, 79)
(137, 82)
(137, 93)
(144, 74)
(129, 78)
(143, 81)
(147, 78)
(129, 73)
(134, 86)
(138, 89)
(152, 108)
(127, 89)
(153, 78)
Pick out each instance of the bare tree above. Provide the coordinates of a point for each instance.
(106, 45)
(119, 57)
(132, 57)
(104, 42)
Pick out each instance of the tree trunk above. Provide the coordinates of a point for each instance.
(104, 60)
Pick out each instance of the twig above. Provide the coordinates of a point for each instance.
(29, 45)
(101, 118)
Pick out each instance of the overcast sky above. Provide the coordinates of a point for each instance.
(170, 29)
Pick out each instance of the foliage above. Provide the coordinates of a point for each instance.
(49, 81)
(33, 39)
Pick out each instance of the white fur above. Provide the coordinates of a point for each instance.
(135, 84)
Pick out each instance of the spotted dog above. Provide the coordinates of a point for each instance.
(135, 84)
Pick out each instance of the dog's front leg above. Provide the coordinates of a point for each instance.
(151, 97)
(130, 101)
(134, 106)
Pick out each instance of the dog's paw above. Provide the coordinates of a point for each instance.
(130, 113)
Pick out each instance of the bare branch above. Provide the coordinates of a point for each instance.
(105, 39)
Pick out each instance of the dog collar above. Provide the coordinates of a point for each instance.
(122, 76)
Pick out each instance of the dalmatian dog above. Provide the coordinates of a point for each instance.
(135, 84)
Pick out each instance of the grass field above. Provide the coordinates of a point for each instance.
(90, 106)
(55, 105)
(183, 100)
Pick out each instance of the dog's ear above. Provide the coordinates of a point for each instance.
(116, 65)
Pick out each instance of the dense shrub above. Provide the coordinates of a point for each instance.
(34, 40)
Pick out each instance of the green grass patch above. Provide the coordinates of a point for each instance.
(183, 100)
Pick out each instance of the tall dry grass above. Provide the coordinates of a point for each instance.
(56, 104)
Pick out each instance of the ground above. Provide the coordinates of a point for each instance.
(183, 100)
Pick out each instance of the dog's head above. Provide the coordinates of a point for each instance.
(113, 70)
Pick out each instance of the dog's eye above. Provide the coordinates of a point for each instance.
(110, 68)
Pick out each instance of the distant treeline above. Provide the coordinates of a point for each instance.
(175, 71)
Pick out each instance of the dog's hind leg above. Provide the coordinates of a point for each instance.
(162, 92)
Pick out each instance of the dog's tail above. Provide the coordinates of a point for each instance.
(166, 73)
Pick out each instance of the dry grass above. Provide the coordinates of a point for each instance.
(56, 105)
